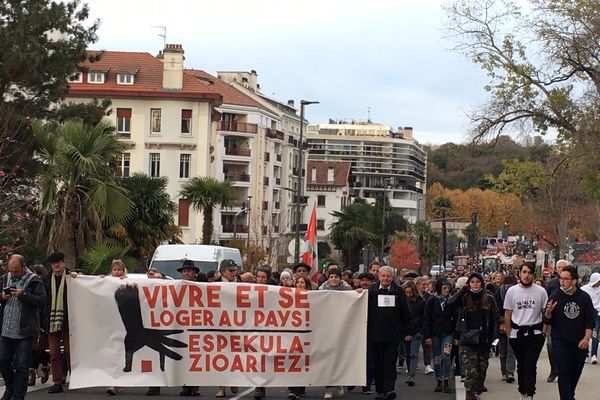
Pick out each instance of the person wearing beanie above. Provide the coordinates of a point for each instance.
(438, 332)
(476, 328)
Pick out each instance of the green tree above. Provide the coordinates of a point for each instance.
(153, 219)
(79, 196)
(204, 194)
(98, 259)
(352, 230)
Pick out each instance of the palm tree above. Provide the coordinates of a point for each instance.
(153, 220)
(79, 196)
(204, 193)
(353, 230)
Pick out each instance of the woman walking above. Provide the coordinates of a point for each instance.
(411, 347)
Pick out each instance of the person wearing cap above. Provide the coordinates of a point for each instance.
(438, 332)
(477, 327)
(228, 269)
(58, 319)
(189, 272)
(19, 313)
(303, 269)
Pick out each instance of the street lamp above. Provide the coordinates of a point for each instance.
(249, 208)
(299, 169)
(385, 183)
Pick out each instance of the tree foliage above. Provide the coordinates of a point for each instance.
(404, 254)
(79, 196)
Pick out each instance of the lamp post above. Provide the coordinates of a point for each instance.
(249, 208)
(299, 166)
(386, 181)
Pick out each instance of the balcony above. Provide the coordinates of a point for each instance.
(231, 228)
(274, 134)
(237, 127)
(303, 200)
(265, 181)
(243, 177)
(295, 172)
(230, 151)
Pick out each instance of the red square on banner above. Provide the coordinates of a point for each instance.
(146, 365)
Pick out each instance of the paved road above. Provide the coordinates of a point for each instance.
(498, 390)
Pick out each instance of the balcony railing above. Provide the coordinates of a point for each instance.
(239, 228)
(274, 134)
(237, 127)
(230, 151)
(237, 177)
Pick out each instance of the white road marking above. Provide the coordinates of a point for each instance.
(242, 394)
(459, 389)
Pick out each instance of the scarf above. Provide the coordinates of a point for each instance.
(441, 299)
(57, 309)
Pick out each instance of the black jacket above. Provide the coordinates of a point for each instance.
(486, 320)
(437, 321)
(33, 299)
(417, 309)
(388, 324)
(49, 300)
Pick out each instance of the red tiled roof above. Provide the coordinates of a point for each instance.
(340, 175)
(230, 94)
(148, 79)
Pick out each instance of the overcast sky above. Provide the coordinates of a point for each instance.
(390, 56)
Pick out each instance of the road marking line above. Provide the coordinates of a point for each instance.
(240, 395)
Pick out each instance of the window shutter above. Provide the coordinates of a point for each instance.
(184, 213)
(123, 112)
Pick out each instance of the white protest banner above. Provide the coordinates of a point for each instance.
(150, 332)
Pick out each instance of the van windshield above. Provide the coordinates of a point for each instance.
(169, 267)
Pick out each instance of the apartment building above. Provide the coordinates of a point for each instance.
(383, 160)
(162, 114)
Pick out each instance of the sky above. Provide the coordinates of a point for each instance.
(387, 59)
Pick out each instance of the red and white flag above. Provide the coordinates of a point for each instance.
(310, 255)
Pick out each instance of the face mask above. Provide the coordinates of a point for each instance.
(566, 289)
(475, 291)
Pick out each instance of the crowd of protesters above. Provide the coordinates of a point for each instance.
(457, 322)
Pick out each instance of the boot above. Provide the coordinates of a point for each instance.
(438, 388)
(44, 373)
(447, 388)
(31, 377)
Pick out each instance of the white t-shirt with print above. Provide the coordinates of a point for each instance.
(527, 305)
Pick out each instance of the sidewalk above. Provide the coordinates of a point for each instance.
(500, 390)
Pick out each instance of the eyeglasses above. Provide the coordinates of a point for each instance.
(566, 279)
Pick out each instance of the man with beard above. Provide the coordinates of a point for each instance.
(524, 305)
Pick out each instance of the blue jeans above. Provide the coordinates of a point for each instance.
(411, 350)
(595, 336)
(19, 350)
(441, 361)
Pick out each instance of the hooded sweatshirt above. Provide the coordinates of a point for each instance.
(594, 292)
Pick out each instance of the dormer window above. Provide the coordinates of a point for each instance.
(76, 78)
(95, 77)
(125, 79)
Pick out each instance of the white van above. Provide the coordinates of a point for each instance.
(167, 258)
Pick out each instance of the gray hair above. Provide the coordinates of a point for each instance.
(386, 268)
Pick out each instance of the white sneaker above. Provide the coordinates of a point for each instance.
(340, 391)
(594, 360)
(429, 370)
(529, 397)
(328, 395)
(220, 393)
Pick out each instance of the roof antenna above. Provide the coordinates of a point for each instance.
(369, 114)
(162, 34)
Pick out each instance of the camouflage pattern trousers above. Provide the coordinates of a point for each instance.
(475, 365)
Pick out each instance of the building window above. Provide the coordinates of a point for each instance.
(125, 79)
(184, 166)
(330, 175)
(183, 218)
(124, 122)
(155, 164)
(124, 163)
(95, 77)
(76, 78)
(186, 121)
(155, 117)
(321, 201)
(313, 175)
(320, 224)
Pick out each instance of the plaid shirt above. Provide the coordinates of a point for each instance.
(11, 322)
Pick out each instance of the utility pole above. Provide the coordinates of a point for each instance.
(444, 237)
